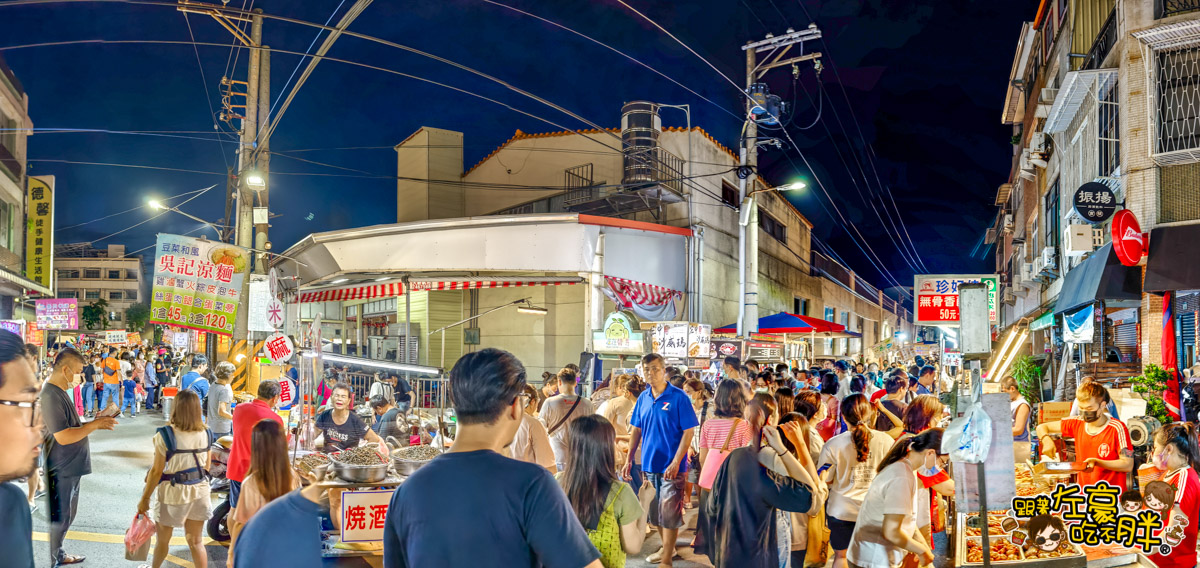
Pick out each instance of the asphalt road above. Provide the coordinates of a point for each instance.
(108, 500)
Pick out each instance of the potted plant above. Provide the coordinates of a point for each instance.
(1150, 385)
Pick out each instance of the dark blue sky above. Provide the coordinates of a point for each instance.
(924, 79)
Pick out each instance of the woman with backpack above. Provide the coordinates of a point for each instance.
(179, 480)
(610, 512)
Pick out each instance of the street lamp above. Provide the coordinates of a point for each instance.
(160, 206)
(255, 181)
(748, 271)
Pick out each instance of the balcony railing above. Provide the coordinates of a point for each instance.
(1105, 40)
(11, 164)
(1165, 8)
(654, 166)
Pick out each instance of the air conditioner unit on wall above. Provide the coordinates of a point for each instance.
(1080, 240)
(1027, 274)
(1049, 261)
(1010, 297)
(1037, 143)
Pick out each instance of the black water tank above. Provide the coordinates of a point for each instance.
(640, 129)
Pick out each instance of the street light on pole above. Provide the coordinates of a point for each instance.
(160, 206)
(748, 233)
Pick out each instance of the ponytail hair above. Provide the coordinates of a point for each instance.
(858, 413)
(1182, 435)
(759, 411)
(930, 439)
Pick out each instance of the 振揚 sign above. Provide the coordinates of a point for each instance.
(936, 297)
(1094, 202)
(197, 283)
(364, 513)
(39, 231)
(57, 313)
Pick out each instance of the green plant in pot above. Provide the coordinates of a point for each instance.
(1150, 385)
(1028, 374)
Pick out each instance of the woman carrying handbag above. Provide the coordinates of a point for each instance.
(725, 432)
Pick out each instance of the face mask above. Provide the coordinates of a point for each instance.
(1089, 415)
(931, 469)
(1160, 460)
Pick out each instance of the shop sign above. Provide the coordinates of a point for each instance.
(769, 338)
(1095, 202)
(39, 232)
(15, 326)
(937, 297)
(287, 392)
(1128, 241)
(724, 347)
(259, 294)
(699, 341)
(179, 341)
(620, 336)
(764, 351)
(1097, 515)
(670, 339)
(197, 283)
(952, 359)
(279, 347)
(364, 513)
(35, 335)
(133, 338)
(57, 313)
(115, 337)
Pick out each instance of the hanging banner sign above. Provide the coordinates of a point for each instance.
(670, 339)
(1095, 202)
(197, 283)
(699, 341)
(279, 348)
(721, 348)
(179, 341)
(39, 231)
(58, 313)
(115, 337)
(937, 297)
(260, 296)
(1079, 327)
(35, 335)
(287, 392)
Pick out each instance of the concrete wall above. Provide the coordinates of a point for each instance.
(429, 154)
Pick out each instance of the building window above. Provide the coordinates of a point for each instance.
(91, 273)
(772, 227)
(1178, 117)
(1108, 114)
(830, 313)
(131, 274)
(72, 274)
(114, 274)
(91, 295)
(114, 316)
(115, 295)
(7, 212)
(1053, 219)
(729, 194)
(131, 295)
(68, 294)
(800, 306)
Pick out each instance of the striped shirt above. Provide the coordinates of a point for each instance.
(714, 432)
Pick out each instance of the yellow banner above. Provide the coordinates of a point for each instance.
(39, 234)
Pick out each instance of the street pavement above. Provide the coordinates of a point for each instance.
(108, 500)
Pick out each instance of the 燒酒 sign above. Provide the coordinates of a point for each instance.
(936, 297)
(197, 283)
(364, 514)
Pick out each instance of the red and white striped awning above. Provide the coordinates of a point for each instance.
(389, 289)
(631, 292)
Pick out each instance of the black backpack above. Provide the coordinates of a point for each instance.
(190, 476)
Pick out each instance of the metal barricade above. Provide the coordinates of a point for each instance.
(430, 392)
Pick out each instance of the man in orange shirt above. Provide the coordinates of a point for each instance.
(1101, 442)
(110, 369)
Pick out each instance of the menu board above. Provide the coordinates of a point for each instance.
(197, 283)
(762, 352)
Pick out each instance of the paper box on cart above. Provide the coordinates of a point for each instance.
(1051, 411)
(1128, 403)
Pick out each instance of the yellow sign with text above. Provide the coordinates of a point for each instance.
(39, 233)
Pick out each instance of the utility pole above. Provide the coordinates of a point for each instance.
(263, 154)
(748, 159)
(251, 181)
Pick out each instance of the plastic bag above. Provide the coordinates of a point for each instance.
(137, 538)
(969, 437)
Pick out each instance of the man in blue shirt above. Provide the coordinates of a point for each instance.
(474, 507)
(925, 380)
(194, 379)
(663, 425)
(151, 382)
(297, 515)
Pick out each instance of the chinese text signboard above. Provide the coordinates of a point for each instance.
(937, 297)
(278, 347)
(15, 326)
(1095, 202)
(1096, 515)
(671, 339)
(197, 283)
(39, 232)
(363, 515)
(620, 336)
(115, 337)
(57, 313)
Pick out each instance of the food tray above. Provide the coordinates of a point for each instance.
(1003, 551)
(1078, 560)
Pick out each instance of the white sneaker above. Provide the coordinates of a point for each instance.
(657, 556)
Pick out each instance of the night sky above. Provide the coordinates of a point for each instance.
(921, 82)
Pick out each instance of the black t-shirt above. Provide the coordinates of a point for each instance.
(403, 390)
(483, 497)
(89, 373)
(882, 423)
(16, 528)
(58, 412)
(341, 436)
(742, 508)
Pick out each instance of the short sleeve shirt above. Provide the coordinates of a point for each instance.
(341, 436)
(715, 431)
(894, 492)
(58, 413)
(1187, 499)
(1107, 444)
(16, 527)
(663, 420)
(515, 507)
(111, 369)
(220, 393)
(849, 478)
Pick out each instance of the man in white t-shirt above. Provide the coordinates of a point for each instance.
(559, 410)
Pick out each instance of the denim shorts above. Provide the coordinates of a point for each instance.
(666, 510)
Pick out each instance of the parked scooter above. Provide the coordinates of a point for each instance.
(218, 466)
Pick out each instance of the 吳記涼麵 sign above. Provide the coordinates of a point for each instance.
(197, 283)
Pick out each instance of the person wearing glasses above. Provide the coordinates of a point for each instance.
(20, 428)
(68, 458)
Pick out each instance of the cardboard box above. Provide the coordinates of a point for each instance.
(1051, 411)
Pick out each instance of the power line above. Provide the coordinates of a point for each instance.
(301, 62)
(164, 212)
(212, 113)
(130, 210)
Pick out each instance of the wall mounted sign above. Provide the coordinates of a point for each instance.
(1128, 241)
(1095, 202)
